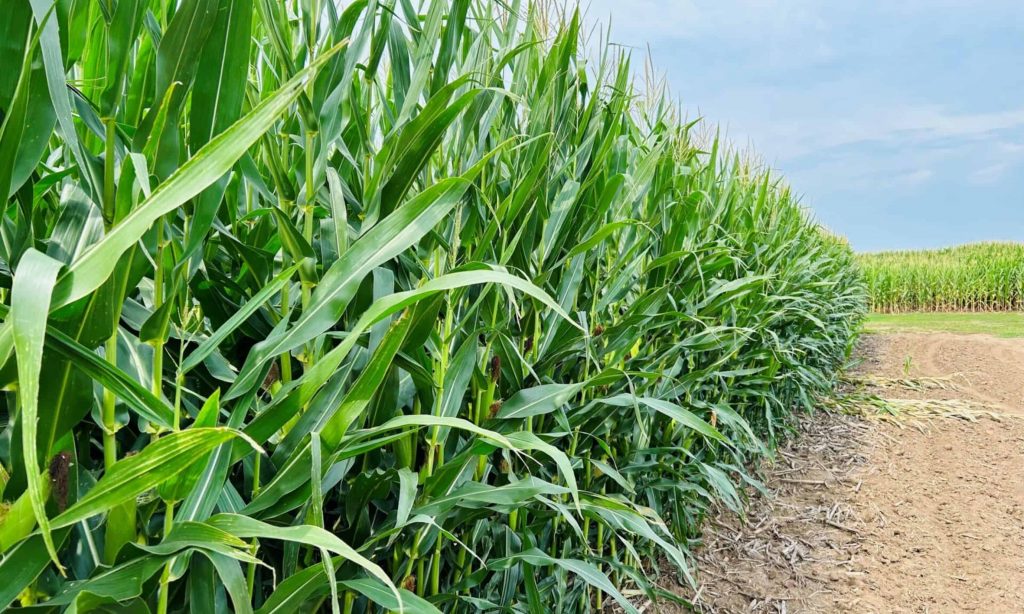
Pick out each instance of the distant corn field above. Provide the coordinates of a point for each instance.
(974, 277)
(378, 306)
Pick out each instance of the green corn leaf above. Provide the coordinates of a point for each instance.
(417, 141)
(673, 411)
(121, 35)
(219, 90)
(476, 495)
(537, 401)
(299, 393)
(211, 343)
(179, 485)
(230, 573)
(158, 324)
(138, 398)
(21, 565)
(339, 284)
(527, 441)
(56, 83)
(18, 520)
(177, 63)
(159, 461)
(586, 571)
(403, 422)
(406, 496)
(245, 527)
(503, 326)
(13, 126)
(379, 593)
(206, 166)
(30, 301)
(121, 583)
(202, 586)
(310, 583)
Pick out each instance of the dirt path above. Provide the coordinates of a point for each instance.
(915, 515)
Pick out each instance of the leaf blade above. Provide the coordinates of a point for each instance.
(31, 293)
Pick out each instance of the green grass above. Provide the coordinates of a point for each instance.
(1000, 324)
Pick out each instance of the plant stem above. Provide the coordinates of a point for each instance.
(286, 310)
(435, 568)
(108, 412)
(158, 384)
(250, 574)
(165, 577)
(158, 301)
(307, 212)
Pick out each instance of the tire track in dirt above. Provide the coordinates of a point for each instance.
(937, 347)
(992, 369)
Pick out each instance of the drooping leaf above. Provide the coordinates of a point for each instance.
(537, 401)
(130, 476)
(30, 301)
(584, 570)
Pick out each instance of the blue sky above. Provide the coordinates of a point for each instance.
(901, 122)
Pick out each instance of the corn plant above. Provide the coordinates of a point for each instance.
(378, 305)
(973, 277)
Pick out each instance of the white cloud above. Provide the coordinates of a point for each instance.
(787, 117)
(847, 97)
(989, 174)
(905, 125)
(914, 178)
(1009, 148)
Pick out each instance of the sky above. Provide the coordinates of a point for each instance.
(900, 122)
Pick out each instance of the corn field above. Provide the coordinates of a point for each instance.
(378, 306)
(973, 277)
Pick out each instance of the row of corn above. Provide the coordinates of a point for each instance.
(381, 305)
(973, 277)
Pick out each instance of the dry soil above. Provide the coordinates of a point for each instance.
(922, 514)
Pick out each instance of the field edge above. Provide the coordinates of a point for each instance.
(1006, 324)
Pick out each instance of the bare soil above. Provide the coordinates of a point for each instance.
(913, 515)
